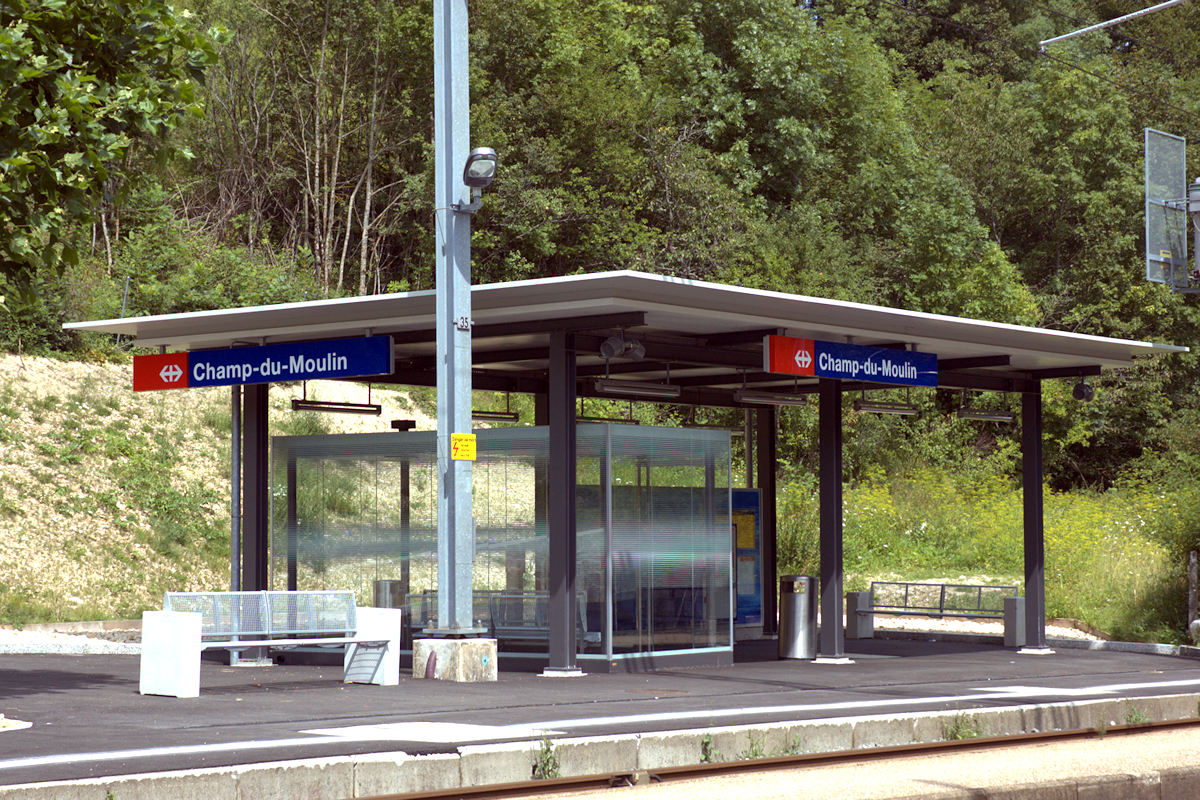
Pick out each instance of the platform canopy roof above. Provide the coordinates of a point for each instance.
(705, 337)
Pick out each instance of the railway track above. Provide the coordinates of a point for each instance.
(692, 772)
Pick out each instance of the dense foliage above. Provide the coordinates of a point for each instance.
(918, 155)
(83, 84)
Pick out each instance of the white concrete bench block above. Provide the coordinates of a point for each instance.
(170, 653)
(372, 663)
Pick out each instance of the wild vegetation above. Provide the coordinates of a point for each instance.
(926, 155)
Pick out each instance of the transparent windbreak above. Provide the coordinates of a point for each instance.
(359, 512)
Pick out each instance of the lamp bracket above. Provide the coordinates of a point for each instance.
(471, 207)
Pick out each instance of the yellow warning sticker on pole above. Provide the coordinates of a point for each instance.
(462, 447)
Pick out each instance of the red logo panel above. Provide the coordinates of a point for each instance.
(789, 355)
(164, 371)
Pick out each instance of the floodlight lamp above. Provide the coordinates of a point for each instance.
(985, 414)
(1083, 392)
(480, 168)
(620, 347)
(637, 388)
(902, 409)
(753, 397)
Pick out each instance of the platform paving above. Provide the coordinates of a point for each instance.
(256, 727)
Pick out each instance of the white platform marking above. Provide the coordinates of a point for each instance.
(394, 731)
(433, 732)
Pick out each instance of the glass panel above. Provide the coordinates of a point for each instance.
(653, 541)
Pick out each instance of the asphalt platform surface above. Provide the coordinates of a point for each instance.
(88, 719)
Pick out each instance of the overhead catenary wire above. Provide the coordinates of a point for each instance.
(1021, 47)
(1109, 23)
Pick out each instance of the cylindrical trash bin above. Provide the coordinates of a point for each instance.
(389, 594)
(797, 616)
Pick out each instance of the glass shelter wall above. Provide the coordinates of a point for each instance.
(653, 531)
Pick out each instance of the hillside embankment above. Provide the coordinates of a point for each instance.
(109, 497)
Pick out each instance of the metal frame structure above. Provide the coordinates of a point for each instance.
(543, 337)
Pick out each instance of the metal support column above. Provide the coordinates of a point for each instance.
(255, 491)
(541, 501)
(293, 524)
(1035, 546)
(562, 611)
(235, 489)
(832, 638)
(768, 421)
(453, 257)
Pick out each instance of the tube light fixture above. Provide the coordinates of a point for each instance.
(769, 398)
(614, 420)
(495, 416)
(986, 414)
(636, 388)
(903, 409)
(335, 407)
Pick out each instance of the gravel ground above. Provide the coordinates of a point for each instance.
(14, 641)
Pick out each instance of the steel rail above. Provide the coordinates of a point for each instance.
(638, 777)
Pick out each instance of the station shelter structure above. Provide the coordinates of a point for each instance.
(603, 546)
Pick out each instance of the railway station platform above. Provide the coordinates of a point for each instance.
(290, 731)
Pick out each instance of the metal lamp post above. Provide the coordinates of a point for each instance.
(458, 182)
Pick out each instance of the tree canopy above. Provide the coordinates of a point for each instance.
(81, 84)
(918, 155)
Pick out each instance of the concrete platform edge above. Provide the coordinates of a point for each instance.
(373, 774)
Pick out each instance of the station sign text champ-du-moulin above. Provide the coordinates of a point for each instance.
(850, 362)
(292, 361)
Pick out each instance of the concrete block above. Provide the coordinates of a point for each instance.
(216, 784)
(1178, 783)
(820, 736)
(1119, 787)
(1057, 717)
(776, 738)
(669, 749)
(1014, 622)
(400, 773)
(883, 732)
(381, 666)
(497, 763)
(859, 625)
(170, 659)
(735, 744)
(597, 755)
(1047, 790)
(1169, 707)
(312, 779)
(461, 660)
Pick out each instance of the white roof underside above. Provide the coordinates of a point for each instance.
(683, 307)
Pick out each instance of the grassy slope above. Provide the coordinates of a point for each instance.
(109, 497)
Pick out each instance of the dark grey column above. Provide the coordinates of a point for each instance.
(405, 526)
(562, 611)
(541, 503)
(1035, 546)
(255, 470)
(768, 418)
(832, 638)
(293, 526)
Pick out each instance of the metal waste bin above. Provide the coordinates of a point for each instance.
(797, 616)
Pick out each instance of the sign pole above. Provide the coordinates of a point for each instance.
(453, 278)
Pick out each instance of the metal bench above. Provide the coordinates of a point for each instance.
(905, 598)
(513, 617)
(191, 622)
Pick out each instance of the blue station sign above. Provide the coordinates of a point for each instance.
(293, 361)
(850, 362)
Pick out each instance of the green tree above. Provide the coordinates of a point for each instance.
(81, 84)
